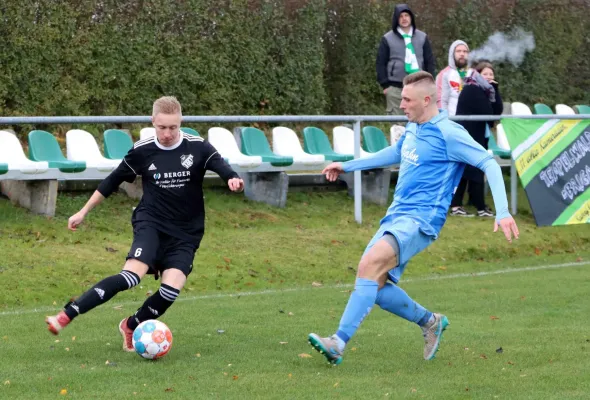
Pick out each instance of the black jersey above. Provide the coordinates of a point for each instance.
(172, 179)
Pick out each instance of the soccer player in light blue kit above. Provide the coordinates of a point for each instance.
(432, 153)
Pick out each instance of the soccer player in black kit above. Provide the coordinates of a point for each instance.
(168, 223)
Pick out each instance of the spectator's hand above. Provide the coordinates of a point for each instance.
(76, 220)
(235, 184)
(508, 226)
(385, 90)
(332, 171)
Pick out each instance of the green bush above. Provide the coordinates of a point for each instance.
(115, 57)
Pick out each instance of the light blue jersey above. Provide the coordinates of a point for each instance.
(432, 157)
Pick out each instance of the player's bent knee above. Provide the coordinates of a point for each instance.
(174, 277)
(137, 267)
(377, 262)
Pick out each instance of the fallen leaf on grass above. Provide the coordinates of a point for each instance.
(537, 251)
(120, 307)
(510, 362)
(291, 314)
(353, 349)
(227, 260)
(63, 392)
(67, 349)
(73, 338)
(110, 250)
(283, 342)
(235, 377)
(493, 317)
(442, 268)
(198, 354)
(290, 375)
(414, 390)
(169, 390)
(483, 356)
(316, 284)
(304, 355)
(579, 259)
(336, 384)
(7, 382)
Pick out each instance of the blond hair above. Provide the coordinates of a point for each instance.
(418, 77)
(166, 105)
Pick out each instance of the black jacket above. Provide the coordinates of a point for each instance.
(383, 52)
(474, 101)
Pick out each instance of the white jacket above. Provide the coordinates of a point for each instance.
(449, 83)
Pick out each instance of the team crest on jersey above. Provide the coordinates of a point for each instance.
(186, 160)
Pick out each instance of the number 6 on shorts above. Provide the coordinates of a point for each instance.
(138, 252)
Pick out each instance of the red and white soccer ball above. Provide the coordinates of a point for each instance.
(152, 339)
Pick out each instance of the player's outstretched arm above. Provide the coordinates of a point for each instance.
(496, 181)
(332, 171)
(461, 147)
(388, 156)
(77, 218)
(218, 165)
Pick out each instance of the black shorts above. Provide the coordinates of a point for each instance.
(161, 251)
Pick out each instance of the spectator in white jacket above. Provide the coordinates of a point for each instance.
(449, 81)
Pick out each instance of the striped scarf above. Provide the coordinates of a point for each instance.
(474, 78)
(411, 60)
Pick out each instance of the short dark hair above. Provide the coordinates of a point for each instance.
(418, 77)
(480, 66)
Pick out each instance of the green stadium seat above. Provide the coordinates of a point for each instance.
(116, 144)
(43, 146)
(541, 108)
(254, 143)
(315, 141)
(3, 169)
(190, 131)
(582, 109)
(373, 139)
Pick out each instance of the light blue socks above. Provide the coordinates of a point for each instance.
(395, 300)
(359, 305)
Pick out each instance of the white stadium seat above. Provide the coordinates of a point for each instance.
(81, 146)
(502, 140)
(286, 143)
(11, 153)
(145, 133)
(562, 109)
(520, 109)
(395, 133)
(344, 141)
(225, 143)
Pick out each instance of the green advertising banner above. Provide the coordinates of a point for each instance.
(552, 158)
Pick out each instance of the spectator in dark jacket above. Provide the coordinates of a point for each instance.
(480, 96)
(402, 51)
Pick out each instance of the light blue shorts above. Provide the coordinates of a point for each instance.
(410, 240)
